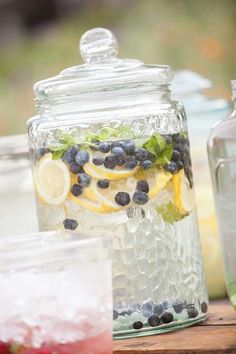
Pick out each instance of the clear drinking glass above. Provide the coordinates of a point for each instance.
(17, 205)
(110, 151)
(222, 160)
(56, 294)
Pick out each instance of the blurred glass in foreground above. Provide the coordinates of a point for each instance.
(56, 294)
(222, 159)
(17, 205)
(203, 113)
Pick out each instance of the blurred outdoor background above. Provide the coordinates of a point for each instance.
(39, 38)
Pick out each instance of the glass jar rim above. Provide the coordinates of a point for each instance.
(51, 248)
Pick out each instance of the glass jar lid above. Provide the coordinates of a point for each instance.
(103, 74)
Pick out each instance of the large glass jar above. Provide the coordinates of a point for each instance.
(111, 153)
(222, 160)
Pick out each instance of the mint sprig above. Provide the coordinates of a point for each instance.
(161, 151)
(65, 142)
(170, 213)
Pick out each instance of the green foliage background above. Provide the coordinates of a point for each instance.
(195, 34)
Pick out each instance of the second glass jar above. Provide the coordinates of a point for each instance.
(110, 152)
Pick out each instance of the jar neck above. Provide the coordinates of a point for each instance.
(138, 96)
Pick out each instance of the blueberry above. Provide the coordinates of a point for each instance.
(76, 190)
(151, 157)
(73, 151)
(180, 148)
(125, 313)
(117, 144)
(171, 167)
(154, 321)
(180, 165)
(98, 161)
(115, 315)
(177, 138)
(168, 139)
(119, 161)
(70, 224)
(67, 157)
(131, 162)
(140, 198)
(178, 306)
(158, 309)
(122, 198)
(82, 157)
(167, 317)
(147, 308)
(137, 325)
(84, 180)
(204, 307)
(129, 147)
(141, 154)
(74, 168)
(165, 304)
(110, 162)
(142, 186)
(175, 155)
(135, 307)
(104, 147)
(117, 151)
(184, 158)
(146, 164)
(192, 312)
(103, 183)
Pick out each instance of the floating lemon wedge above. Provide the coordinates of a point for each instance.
(100, 172)
(52, 180)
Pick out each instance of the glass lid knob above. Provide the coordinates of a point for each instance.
(98, 44)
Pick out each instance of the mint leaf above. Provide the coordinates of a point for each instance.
(170, 213)
(56, 155)
(58, 147)
(165, 155)
(66, 141)
(157, 146)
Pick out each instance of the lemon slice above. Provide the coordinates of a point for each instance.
(183, 195)
(52, 180)
(156, 178)
(100, 205)
(100, 172)
(157, 181)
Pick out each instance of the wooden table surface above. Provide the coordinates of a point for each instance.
(216, 335)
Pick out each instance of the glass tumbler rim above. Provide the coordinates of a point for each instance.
(51, 249)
